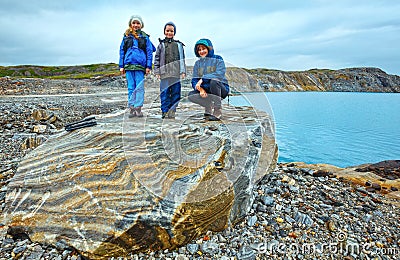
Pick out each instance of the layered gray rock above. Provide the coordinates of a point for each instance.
(139, 184)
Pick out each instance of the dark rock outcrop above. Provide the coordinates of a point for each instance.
(389, 169)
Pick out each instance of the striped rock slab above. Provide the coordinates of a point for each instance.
(131, 185)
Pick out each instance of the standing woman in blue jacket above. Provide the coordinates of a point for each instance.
(209, 82)
(135, 59)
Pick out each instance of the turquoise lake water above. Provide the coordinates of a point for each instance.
(339, 128)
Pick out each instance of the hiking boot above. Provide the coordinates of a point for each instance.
(139, 112)
(163, 114)
(213, 118)
(217, 112)
(207, 112)
(132, 112)
(171, 114)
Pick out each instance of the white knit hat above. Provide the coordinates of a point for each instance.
(136, 17)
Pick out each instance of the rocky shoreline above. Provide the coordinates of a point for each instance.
(300, 211)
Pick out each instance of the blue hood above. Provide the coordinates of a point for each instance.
(208, 44)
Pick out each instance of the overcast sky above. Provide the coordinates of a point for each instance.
(274, 34)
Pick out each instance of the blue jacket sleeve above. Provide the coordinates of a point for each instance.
(157, 60)
(149, 53)
(182, 64)
(195, 76)
(121, 54)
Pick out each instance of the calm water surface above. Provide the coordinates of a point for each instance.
(339, 128)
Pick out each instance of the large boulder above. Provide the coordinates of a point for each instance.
(138, 184)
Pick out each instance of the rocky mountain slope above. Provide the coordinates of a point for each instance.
(261, 79)
(349, 80)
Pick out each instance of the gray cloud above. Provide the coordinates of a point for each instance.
(286, 35)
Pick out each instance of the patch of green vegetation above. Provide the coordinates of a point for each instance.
(261, 70)
(85, 75)
(5, 71)
(60, 72)
(53, 70)
(321, 70)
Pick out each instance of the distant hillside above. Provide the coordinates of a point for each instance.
(261, 79)
(350, 79)
(60, 72)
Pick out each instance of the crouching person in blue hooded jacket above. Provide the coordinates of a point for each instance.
(209, 82)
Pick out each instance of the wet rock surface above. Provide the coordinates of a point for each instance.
(297, 213)
(387, 169)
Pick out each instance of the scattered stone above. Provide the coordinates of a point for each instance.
(192, 248)
(267, 200)
(376, 186)
(331, 225)
(246, 253)
(321, 173)
(209, 247)
(252, 221)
